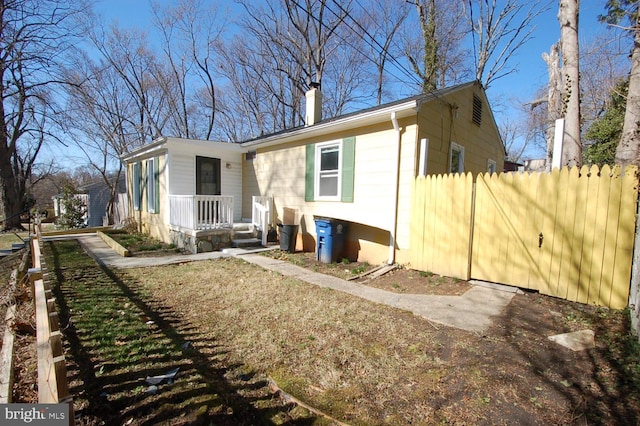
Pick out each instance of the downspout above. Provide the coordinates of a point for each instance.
(396, 182)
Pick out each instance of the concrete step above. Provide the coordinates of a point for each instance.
(4, 253)
(239, 227)
(17, 246)
(243, 235)
(246, 242)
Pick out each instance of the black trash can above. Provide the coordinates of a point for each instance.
(330, 241)
(288, 235)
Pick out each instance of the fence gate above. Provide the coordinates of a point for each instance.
(441, 224)
(568, 233)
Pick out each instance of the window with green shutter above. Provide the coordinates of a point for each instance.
(329, 171)
(153, 186)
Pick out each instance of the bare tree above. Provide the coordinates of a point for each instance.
(241, 103)
(499, 31)
(379, 23)
(427, 69)
(128, 54)
(523, 132)
(101, 119)
(572, 146)
(436, 56)
(189, 35)
(285, 46)
(603, 64)
(35, 35)
(619, 11)
(124, 99)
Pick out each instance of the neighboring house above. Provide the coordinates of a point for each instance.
(357, 168)
(95, 196)
(98, 194)
(512, 166)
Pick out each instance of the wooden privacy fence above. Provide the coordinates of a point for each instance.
(568, 233)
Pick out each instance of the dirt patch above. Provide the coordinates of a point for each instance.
(397, 280)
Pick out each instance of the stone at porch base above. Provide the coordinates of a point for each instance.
(201, 241)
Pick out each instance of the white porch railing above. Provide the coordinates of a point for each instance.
(261, 214)
(200, 212)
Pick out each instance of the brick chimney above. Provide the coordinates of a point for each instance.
(314, 105)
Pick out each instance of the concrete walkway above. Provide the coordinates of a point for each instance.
(472, 311)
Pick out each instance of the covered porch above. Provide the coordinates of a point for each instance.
(200, 223)
(201, 212)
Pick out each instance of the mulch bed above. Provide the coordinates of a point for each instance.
(25, 359)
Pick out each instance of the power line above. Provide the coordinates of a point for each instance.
(369, 43)
(394, 60)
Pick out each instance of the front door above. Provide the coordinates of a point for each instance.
(208, 176)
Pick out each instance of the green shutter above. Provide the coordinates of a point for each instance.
(309, 172)
(137, 185)
(348, 168)
(156, 182)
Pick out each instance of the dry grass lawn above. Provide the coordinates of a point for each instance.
(229, 326)
(365, 363)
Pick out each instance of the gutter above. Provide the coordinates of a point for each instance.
(396, 183)
(358, 120)
(144, 150)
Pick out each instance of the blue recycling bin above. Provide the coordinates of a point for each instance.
(330, 239)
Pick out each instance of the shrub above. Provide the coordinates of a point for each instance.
(73, 210)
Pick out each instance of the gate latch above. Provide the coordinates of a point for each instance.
(540, 238)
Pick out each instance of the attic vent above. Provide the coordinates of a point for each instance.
(477, 110)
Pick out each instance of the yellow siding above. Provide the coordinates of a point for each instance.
(449, 120)
(280, 172)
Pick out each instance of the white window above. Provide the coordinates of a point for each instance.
(152, 196)
(456, 158)
(136, 182)
(327, 171)
(491, 166)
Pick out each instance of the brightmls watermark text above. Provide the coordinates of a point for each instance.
(34, 414)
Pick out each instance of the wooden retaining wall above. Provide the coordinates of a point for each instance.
(53, 387)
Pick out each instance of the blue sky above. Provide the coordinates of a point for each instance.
(518, 87)
(532, 71)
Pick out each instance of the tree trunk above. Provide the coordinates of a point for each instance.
(568, 17)
(628, 149)
(553, 97)
(12, 199)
